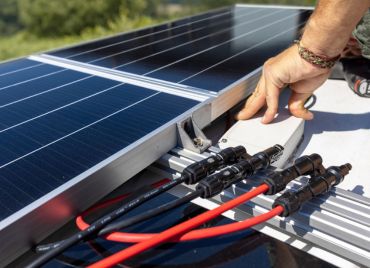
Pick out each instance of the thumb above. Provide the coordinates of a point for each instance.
(301, 91)
(296, 105)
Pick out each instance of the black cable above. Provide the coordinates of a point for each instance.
(192, 174)
(209, 187)
(310, 102)
(59, 247)
(149, 214)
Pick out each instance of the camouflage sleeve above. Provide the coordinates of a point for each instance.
(362, 34)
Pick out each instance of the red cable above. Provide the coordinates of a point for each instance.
(115, 200)
(182, 228)
(193, 235)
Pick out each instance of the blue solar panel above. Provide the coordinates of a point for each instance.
(16, 66)
(57, 123)
(210, 53)
(28, 74)
(12, 94)
(54, 127)
(75, 120)
(134, 38)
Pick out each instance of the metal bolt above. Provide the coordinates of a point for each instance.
(198, 142)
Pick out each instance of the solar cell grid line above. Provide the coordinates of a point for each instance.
(213, 83)
(278, 27)
(239, 53)
(44, 92)
(118, 61)
(143, 114)
(191, 33)
(39, 72)
(22, 174)
(18, 65)
(25, 116)
(167, 74)
(206, 68)
(62, 128)
(230, 73)
(205, 77)
(90, 56)
(160, 54)
(137, 34)
(28, 89)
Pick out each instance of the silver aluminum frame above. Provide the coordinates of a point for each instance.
(275, 6)
(226, 98)
(139, 80)
(39, 219)
(33, 223)
(222, 101)
(335, 225)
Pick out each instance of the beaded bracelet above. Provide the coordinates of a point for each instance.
(319, 61)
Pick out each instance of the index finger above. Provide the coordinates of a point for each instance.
(272, 100)
(254, 103)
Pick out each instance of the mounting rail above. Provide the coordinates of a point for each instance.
(334, 227)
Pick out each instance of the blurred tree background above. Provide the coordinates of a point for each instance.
(28, 26)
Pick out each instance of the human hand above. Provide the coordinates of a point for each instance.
(352, 49)
(287, 68)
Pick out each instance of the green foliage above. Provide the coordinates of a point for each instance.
(24, 43)
(71, 17)
(8, 17)
(65, 17)
(28, 26)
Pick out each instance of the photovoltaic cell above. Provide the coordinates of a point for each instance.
(21, 76)
(38, 85)
(54, 127)
(16, 65)
(128, 40)
(76, 120)
(57, 123)
(210, 52)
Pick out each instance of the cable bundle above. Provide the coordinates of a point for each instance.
(235, 166)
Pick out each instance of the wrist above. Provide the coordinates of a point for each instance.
(315, 59)
(326, 40)
(321, 40)
(320, 50)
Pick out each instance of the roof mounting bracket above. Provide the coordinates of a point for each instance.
(191, 137)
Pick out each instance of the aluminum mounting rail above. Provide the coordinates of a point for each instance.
(334, 227)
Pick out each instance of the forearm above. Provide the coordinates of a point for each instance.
(330, 26)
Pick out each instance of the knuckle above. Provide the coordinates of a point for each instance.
(273, 75)
(267, 67)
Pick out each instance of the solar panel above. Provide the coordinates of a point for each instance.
(88, 117)
(129, 39)
(76, 137)
(58, 127)
(209, 53)
(73, 126)
(15, 66)
(22, 75)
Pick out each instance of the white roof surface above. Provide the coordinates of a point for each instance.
(340, 132)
